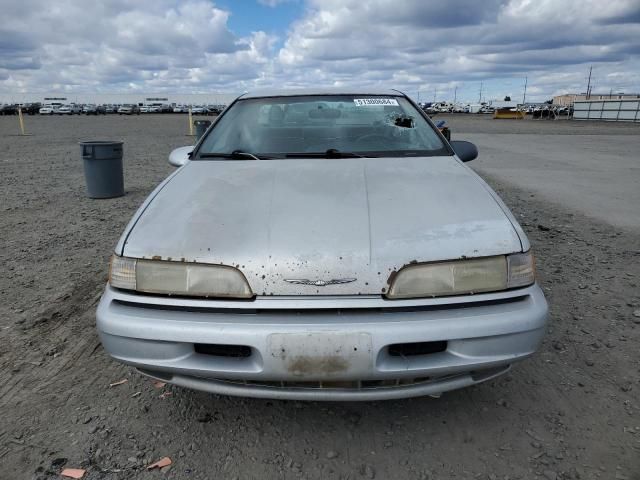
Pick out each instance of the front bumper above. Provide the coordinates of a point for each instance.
(323, 348)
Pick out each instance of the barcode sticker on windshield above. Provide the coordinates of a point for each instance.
(375, 102)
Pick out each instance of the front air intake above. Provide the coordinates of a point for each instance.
(220, 350)
(417, 348)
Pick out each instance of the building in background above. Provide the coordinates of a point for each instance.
(569, 99)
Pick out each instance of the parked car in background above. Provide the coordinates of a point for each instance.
(74, 108)
(443, 107)
(91, 109)
(429, 109)
(198, 110)
(47, 109)
(214, 109)
(486, 109)
(9, 109)
(31, 108)
(180, 109)
(160, 108)
(413, 278)
(129, 109)
(461, 109)
(70, 109)
(144, 109)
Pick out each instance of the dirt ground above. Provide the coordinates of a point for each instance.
(570, 412)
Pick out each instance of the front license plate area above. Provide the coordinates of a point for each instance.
(320, 355)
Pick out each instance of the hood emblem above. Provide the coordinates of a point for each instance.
(319, 283)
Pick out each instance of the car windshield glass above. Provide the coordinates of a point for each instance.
(324, 126)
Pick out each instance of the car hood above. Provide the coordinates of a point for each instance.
(321, 219)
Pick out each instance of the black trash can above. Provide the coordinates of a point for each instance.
(201, 127)
(103, 168)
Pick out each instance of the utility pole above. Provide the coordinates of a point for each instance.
(589, 83)
(455, 95)
(435, 94)
(480, 100)
(524, 95)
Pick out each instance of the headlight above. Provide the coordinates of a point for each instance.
(458, 277)
(178, 278)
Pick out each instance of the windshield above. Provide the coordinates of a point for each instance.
(359, 125)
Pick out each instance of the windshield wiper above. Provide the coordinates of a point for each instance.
(236, 155)
(330, 153)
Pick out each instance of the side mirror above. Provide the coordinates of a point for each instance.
(466, 151)
(180, 156)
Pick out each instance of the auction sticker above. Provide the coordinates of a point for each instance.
(375, 102)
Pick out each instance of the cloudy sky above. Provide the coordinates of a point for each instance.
(426, 48)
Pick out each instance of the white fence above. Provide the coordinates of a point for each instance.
(610, 110)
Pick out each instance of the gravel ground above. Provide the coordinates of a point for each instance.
(571, 411)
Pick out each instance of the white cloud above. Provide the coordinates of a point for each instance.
(416, 45)
(89, 46)
(274, 3)
(187, 46)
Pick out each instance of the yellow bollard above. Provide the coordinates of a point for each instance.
(21, 120)
(191, 134)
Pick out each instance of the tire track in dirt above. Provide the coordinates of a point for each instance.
(50, 330)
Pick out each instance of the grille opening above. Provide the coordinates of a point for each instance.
(417, 348)
(219, 350)
(337, 385)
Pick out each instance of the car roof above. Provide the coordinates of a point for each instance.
(321, 91)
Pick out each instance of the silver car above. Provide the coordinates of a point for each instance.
(323, 245)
